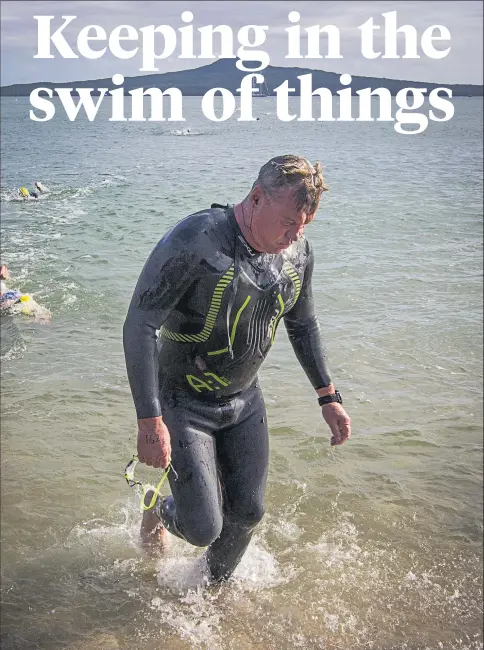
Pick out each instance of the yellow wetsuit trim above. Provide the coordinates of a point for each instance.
(281, 305)
(234, 329)
(292, 273)
(212, 314)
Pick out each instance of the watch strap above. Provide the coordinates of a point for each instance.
(328, 399)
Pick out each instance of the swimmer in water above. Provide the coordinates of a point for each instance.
(5, 298)
(32, 194)
(26, 194)
(13, 301)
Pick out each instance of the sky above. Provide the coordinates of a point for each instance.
(464, 20)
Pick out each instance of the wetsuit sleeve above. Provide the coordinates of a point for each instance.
(304, 333)
(169, 271)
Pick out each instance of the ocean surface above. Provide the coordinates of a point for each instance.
(374, 545)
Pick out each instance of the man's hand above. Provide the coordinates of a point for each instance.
(338, 421)
(154, 446)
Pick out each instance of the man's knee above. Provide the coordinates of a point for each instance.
(196, 527)
(249, 516)
(201, 533)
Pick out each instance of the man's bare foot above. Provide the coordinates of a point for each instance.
(153, 534)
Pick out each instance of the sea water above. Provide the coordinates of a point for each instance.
(377, 544)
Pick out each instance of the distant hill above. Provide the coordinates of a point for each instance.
(223, 73)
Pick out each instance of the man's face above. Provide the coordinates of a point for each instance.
(276, 222)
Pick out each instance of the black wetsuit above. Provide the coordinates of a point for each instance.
(217, 304)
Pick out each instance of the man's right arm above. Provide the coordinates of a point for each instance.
(166, 276)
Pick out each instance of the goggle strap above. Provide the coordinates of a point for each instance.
(156, 492)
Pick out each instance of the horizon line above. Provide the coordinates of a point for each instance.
(235, 58)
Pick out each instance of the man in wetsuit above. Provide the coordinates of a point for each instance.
(216, 287)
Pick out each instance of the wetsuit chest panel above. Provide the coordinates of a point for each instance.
(219, 350)
(201, 315)
(258, 322)
(216, 337)
(251, 323)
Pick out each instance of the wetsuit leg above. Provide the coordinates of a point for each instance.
(243, 459)
(194, 511)
(220, 454)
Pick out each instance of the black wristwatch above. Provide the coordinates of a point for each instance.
(327, 399)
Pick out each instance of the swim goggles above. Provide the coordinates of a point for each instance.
(129, 476)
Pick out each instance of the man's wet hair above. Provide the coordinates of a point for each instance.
(290, 171)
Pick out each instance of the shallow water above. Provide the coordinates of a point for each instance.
(377, 544)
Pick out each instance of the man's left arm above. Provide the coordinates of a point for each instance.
(304, 333)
